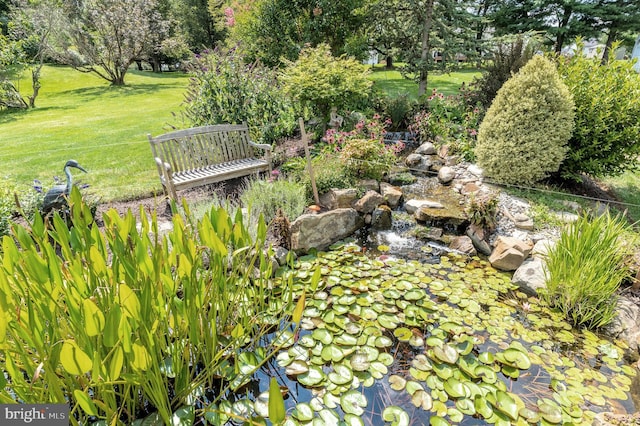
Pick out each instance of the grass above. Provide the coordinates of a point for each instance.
(392, 82)
(81, 117)
(626, 188)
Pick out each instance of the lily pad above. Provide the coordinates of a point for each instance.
(297, 367)
(303, 412)
(397, 382)
(396, 415)
(313, 377)
(353, 402)
(422, 399)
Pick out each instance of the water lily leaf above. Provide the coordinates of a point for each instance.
(510, 371)
(388, 321)
(313, 377)
(434, 341)
(303, 412)
(297, 367)
(486, 358)
(412, 387)
(403, 334)
(455, 415)
(353, 420)
(329, 417)
(550, 412)
(419, 374)
(446, 353)
(396, 382)
(346, 340)
(421, 362)
(505, 403)
(466, 406)
(444, 371)
(383, 342)
(438, 421)
(414, 294)
(341, 374)
(371, 352)
(306, 341)
(396, 415)
(359, 362)
(353, 402)
(455, 388)
(482, 406)
(332, 353)
(261, 404)
(422, 399)
(517, 358)
(416, 341)
(185, 416)
(322, 335)
(386, 359)
(486, 374)
(378, 369)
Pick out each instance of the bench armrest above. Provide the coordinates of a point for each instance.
(264, 146)
(167, 178)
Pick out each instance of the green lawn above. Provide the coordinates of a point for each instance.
(81, 117)
(392, 82)
(626, 188)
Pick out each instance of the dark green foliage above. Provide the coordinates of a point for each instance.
(397, 109)
(483, 210)
(224, 89)
(506, 59)
(606, 140)
(523, 137)
(266, 197)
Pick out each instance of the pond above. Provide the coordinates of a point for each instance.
(433, 340)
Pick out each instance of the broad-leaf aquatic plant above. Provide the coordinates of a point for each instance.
(124, 323)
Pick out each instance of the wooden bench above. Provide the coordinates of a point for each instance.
(208, 154)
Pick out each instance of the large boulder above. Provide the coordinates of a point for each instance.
(463, 244)
(368, 203)
(446, 174)
(339, 198)
(411, 206)
(321, 230)
(531, 276)
(509, 253)
(381, 218)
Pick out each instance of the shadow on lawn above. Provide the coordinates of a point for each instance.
(118, 91)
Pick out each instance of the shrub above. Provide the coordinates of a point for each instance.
(523, 138)
(483, 210)
(447, 120)
(329, 172)
(363, 150)
(397, 109)
(320, 81)
(507, 58)
(7, 207)
(224, 89)
(586, 268)
(266, 197)
(606, 140)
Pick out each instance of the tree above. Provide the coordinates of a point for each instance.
(32, 24)
(105, 37)
(559, 20)
(276, 29)
(201, 22)
(11, 60)
(615, 17)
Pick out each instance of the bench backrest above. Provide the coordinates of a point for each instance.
(199, 147)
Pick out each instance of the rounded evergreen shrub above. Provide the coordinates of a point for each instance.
(523, 137)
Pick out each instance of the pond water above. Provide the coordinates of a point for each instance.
(438, 339)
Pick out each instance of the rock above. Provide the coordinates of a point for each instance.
(522, 221)
(477, 238)
(509, 253)
(339, 198)
(566, 217)
(281, 254)
(412, 205)
(541, 248)
(323, 229)
(530, 276)
(370, 185)
(463, 244)
(475, 170)
(612, 419)
(626, 326)
(452, 220)
(572, 205)
(426, 148)
(368, 202)
(413, 160)
(446, 175)
(381, 218)
(470, 188)
(399, 179)
(392, 194)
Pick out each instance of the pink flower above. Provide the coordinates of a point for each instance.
(228, 12)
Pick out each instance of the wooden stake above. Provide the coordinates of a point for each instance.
(306, 153)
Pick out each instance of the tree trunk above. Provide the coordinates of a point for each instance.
(389, 60)
(611, 37)
(35, 85)
(566, 16)
(424, 54)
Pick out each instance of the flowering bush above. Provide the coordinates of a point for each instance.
(446, 120)
(363, 150)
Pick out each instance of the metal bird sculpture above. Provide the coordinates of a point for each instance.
(56, 197)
